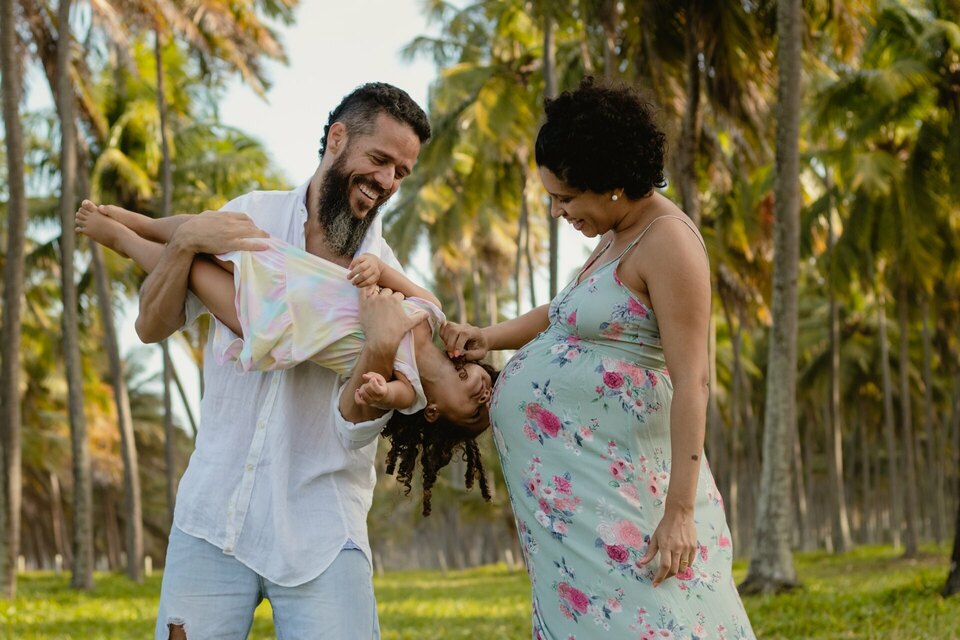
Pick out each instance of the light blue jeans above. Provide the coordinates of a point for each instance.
(213, 595)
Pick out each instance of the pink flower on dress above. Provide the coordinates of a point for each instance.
(559, 526)
(529, 432)
(628, 533)
(572, 318)
(654, 489)
(630, 493)
(613, 379)
(578, 599)
(703, 552)
(724, 541)
(562, 484)
(549, 422)
(585, 433)
(617, 553)
(685, 574)
(616, 472)
(636, 308)
(613, 604)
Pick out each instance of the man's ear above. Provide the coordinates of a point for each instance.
(337, 137)
(431, 412)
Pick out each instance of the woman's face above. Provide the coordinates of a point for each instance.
(588, 212)
(465, 398)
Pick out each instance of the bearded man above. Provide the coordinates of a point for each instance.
(272, 504)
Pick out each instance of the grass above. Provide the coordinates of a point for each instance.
(869, 593)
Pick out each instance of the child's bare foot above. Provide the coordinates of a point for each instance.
(140, 224)
(100, 228)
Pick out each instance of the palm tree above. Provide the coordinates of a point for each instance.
(13, 270)
(83, 500)
(771, 562)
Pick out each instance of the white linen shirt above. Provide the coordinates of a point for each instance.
(272, 481)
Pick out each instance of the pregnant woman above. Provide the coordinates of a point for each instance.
(599, 417)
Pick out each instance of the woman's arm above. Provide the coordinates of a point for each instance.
(473, 342)
(675, 269)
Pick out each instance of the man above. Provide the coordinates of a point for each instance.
(273, 505)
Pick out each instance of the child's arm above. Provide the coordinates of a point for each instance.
(382, 394)
(368, 269)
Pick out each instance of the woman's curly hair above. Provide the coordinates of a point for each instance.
(434, 443)
(603, 137)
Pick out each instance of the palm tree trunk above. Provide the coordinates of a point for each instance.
(889, 431)
(952, 585)
(166, 184)
(865, 494)
(609, 16)
(841, 523)
(128, 448)
(550, 92)
(934, 486)
(11, 484)
(687, 181)
(799, 487)
(168, 434)
(82, 577)
(771, 564)
(911, 540)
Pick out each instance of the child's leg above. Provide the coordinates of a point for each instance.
(212, 284)
(156, 229)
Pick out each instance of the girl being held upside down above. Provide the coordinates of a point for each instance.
(281, 306)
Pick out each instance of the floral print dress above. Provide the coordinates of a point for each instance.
(581, 420)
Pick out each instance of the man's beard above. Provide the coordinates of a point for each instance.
(343, 231)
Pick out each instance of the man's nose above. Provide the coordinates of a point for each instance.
(385, 178)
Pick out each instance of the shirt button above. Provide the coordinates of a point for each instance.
(249, 467)
(261, 425)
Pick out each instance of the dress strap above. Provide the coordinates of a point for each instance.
(640, 235)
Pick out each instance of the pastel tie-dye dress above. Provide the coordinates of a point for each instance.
(581, 420)
(295, 307)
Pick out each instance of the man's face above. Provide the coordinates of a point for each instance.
(367, 171)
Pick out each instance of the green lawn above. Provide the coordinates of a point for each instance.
(869, 593)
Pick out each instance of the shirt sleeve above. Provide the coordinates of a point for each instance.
(354, 435)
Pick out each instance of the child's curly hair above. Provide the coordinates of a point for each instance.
(434, 443)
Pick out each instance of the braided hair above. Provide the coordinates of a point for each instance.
(434, 443)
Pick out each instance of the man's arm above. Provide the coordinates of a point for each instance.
(384, 323)
(164, 292)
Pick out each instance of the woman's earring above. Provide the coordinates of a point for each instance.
(614, 197)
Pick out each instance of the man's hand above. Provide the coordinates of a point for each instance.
(373, 392)
(365, 270)
(384, 319)
(463, 340)
(216, 232)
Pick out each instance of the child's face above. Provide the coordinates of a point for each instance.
(465, 398)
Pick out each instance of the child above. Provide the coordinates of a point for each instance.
(290, 306)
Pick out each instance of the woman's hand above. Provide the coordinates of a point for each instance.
(365, 270)
(463, 340)
(676, 540)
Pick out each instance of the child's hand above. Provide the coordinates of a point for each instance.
(373, 391)
(365, 270)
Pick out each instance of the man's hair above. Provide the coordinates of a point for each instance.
(413, 437)
(359, 110)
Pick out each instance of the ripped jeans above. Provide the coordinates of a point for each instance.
(209, 594)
